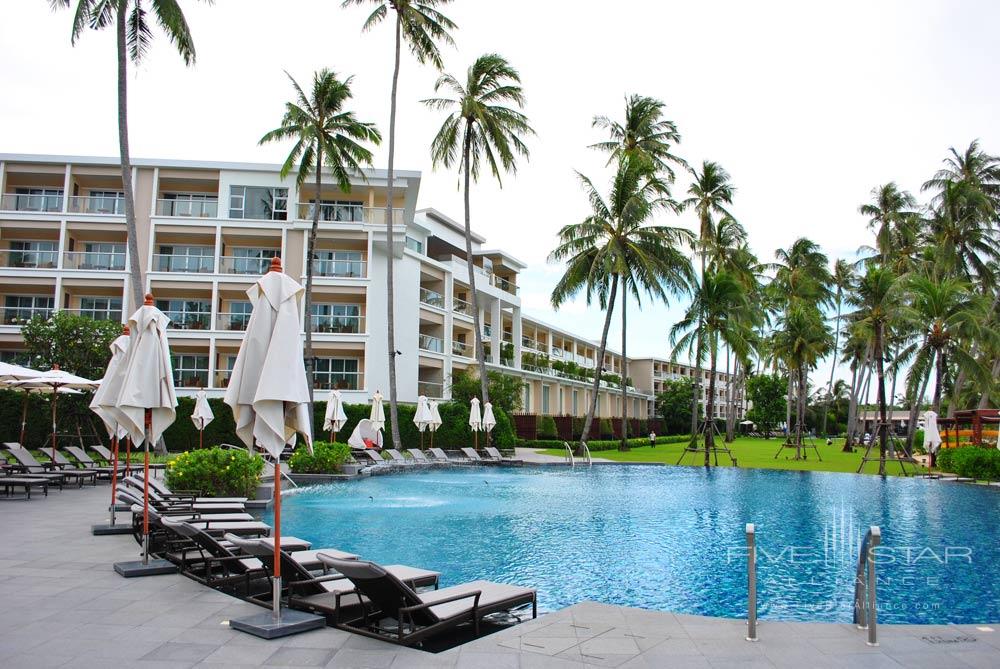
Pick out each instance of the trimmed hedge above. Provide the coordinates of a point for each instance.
(606, 444)
(971, 461)
(216, 472)
(326, 458)
(547, 428)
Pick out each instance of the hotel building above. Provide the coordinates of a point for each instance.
(206, 230)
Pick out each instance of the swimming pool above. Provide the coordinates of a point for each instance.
(672, 538)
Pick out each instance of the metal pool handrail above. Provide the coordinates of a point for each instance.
(586, 453)
(865, 604)
(751, 582)
(569, 454)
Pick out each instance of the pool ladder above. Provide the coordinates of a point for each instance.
(865, 604)
(571, 460)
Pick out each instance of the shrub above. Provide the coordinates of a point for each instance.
(216, 472)
(326, 458)
(605, 429)
(547, 428)
(971, 461)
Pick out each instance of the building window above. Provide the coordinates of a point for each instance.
(527, 397)
(545, 400)
(33, 254)
(338, 263)
(190, 371)
(103, 255)
(20, 358)
(238, 316)
(38, 199)
(258, 202)
(414, 244)
(340, 373)
(187, 314)
(338, 210)
(106, 202)
(249, 260)
(175, 258)
(101, 308)
(21, 308)
(576, 402)
(197, 205)
(340, 318)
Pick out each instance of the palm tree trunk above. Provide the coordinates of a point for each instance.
(730, 408)
(788, 405)
(938, 381)
(798, 413)
(310, 250)
(696, 394)
(833, 365)
(470, 265)
(984, 399)
(883, 432)
(895, 373)
(623, 446)
(852, 408)
(135, 270)
(956, 392)
(911, 426)
(390, 257)
(600, 361)
(710, 403)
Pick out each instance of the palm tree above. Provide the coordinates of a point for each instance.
(878, 307)
(325, 136)
(718, 313)
(843, 279)
(801, 339)
(708, 194)
(614, 248)
(480, 127)
(645, 134)
(422, 26)
(134, 36)
(888, 213)
(974, 167)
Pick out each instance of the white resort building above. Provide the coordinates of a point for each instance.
(207, 229)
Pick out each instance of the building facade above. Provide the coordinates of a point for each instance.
(650, 374)
(206, 230)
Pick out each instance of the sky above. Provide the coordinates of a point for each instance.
(807, 105)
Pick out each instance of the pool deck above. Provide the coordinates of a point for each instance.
(61, 605)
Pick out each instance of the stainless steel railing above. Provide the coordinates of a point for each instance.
(865, 600)
(751, 582)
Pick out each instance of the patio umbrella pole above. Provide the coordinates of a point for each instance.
(276, 582)
(114, 474)
(55, 397)
(128, 456)
(24, 415)
(145, 487)
(201, 435)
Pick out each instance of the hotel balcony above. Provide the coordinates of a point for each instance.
(244, 265)
(338, 324)
(340, 268)
(430, 389)
(431, 298)
(32, 203)
(461, 307)
(21, 315)
(204, 208)
(341, 213)
(430, 343)
(97, 204)
(232, 321)
(180, 263)
(188, 320)
(94, 260)
(29, 259)
(460, 348)
(114, 315)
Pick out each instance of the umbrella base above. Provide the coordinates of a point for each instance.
(102, 530)
(264, 625)
(135, 568)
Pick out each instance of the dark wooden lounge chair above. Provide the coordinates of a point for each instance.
(65, 464)
(10, 483)
(418, 616)
(27, 464)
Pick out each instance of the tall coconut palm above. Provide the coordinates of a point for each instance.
(888, 212)
(717, 314)
(843, 278)
(878, 302)
(708, 195)
(645, 134)
(134, 36)
(972, 166)
(614, 248)
(422, 27)
(480, 128)
(326, 136)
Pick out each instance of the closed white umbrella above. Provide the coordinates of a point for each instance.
(268, 390)
(475, 420)
(119, 354)
(202, 415)
(489, 420)
(435, 421)
(10, 373)
(932, 437)
(56, 380)
(141, 398)
(334, 418)
(377, 416)
(422, 417)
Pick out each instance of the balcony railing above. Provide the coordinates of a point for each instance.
(194, 264)
(338, 324)
(21, 315)
(429, 343)
(340, 268)
(29, 259)
(341, 381)
(188, 208)
(114, 315)
(431, 298)
(189, 320)
(94, 260)
(232, 321)
(241, 265)
(528, 342)
(336, 213)
(17, 202)
(431, 389)
(96, 204)
(503, 284)
(461, 348)
(222, 378)
(461, 307)
(507, 337)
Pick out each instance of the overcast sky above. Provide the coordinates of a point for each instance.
(807, 105)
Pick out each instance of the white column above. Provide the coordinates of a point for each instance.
(516, 331)
(211, 362)
(496, 331)
(62, 244)
(67, 182)
(218, 248)
(213, 322)
(156, 191)
(449, 331)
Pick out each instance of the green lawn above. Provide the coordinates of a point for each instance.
(753, 452)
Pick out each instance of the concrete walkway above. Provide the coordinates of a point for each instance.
(536, 456)
(61, 605)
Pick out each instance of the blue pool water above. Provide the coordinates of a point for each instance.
(671, 538)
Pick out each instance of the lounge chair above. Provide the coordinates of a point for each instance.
(106, 455)
(131, 496)
(35, 469)
(368, 456)
(65, 464)
(397, 458)
(439, 455)
(88, 462)
(210, 505)
(418, 616)
(167, 494)
(495, 455)
(9, 483)
(418, 456)
(327, 593)
(471, 454)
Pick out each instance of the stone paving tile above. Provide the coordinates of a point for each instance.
(299, 657)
